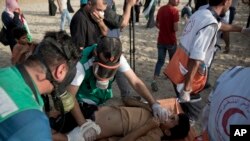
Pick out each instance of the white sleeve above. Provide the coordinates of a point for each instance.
(225, 19)
(80, 74)
(124, 66)
(202, 42)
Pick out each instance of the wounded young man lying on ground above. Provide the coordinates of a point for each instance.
(129, 124)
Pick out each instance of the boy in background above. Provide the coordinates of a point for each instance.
(23, 48)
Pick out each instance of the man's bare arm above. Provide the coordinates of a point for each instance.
(131, 102)
(230, 28)
(139, 86)
(127, 13)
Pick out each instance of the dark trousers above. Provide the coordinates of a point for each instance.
(151, 20)
(248, 21)
(52, 8)
(70, 9)
(231, 14)
(137, 13)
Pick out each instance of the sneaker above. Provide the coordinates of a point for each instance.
(195, 98)
(154, 86)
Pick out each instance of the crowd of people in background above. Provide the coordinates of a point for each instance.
(55, 88)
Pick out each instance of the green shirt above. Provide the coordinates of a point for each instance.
(15, 95)
(88, 89)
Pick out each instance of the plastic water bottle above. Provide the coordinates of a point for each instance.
(202, 69)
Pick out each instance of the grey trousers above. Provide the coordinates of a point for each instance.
(123, 84)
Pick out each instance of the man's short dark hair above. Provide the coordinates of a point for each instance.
(215, 2)
(181, 130)
(94, 2)
(110, 47)
(18, 32)
(55, 49)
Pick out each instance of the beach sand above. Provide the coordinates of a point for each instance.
(36, 13)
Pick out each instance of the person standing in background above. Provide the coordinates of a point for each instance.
(137, 10)
(247, 2)
(149, 10)
(167, 35)
(64, 13)
(13, 17)
(52, 7)
(69, 7)
(232, 11)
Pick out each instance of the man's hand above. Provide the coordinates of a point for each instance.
(160, 112)
(131, 2)
(245, 31)
(97, 16)
(90, 130)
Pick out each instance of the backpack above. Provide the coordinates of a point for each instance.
(3, 36)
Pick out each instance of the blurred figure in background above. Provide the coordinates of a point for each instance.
(13, 17)
(64, 13)
(167, 36)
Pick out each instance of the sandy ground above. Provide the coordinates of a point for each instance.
(36, 13)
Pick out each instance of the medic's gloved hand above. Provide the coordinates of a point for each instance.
(90, 130)
(245, 31)
(160, 112)
(75, 135)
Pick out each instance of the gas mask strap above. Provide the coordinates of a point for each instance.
(49, 76)
(28, 80)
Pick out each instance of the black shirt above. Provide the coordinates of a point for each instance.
(83, 29)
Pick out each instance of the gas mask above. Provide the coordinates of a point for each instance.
(104, 73)
(63, 100)
(107, 61)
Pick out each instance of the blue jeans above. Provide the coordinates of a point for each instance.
(162, 50)
(65, 14)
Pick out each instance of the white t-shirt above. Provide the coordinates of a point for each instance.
(230, 103)
(64, 4)
(80, 74)
(199, 36)
(224, 19)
